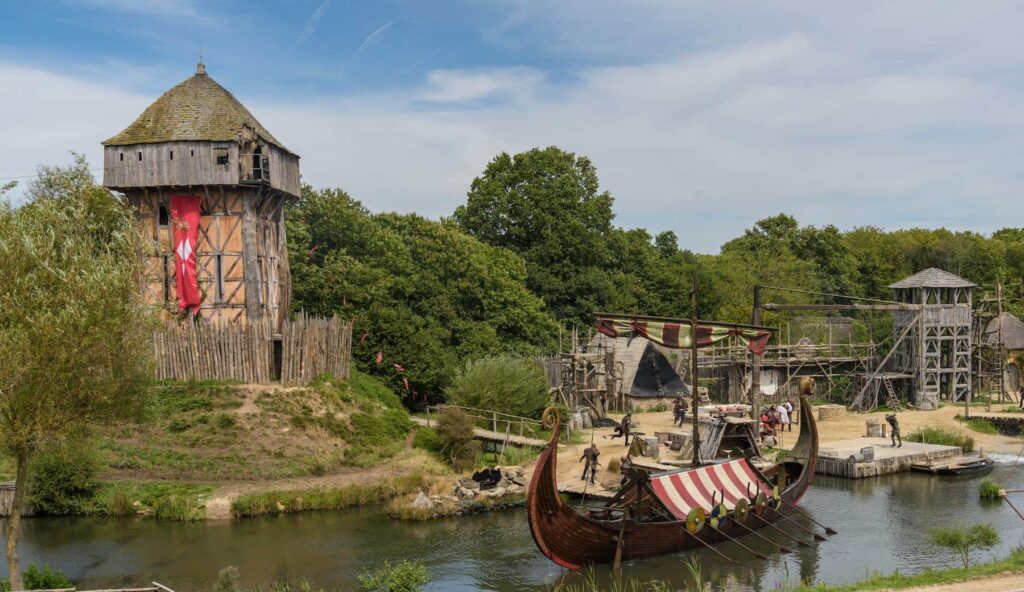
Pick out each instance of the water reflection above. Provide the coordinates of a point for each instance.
(881, 522)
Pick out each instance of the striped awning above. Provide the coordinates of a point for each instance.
(685, 490)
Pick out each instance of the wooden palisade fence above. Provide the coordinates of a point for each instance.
(245, 352)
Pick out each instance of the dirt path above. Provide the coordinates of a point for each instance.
(1010, 582)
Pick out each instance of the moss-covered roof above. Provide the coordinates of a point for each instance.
(196, 109)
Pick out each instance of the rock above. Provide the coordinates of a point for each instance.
(463, 493)
(496, 492)
(422, 502)
(469, 484)
(280, 507)
(520, 480)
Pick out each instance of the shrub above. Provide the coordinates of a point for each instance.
(962, 540)
(455, 429)
(44, 578)
(63, 478)
(404, 576)
(179, 507)
(364, 386)
(944, 436)
(427, 439)
(989, 489)
(227, 580)
(225, 420)
(504, 383)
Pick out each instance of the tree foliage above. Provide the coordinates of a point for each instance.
(71, 316)
(423, 293)
(505, 384)
(962, 540)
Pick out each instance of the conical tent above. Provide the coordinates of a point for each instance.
(646, 372)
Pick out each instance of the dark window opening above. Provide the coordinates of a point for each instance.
(167, 279)
(218, 277)
(140, 156)
(191, 152)
(122, 157)
(221, 155)
(164, 216)
(257, 164)
(172, 154)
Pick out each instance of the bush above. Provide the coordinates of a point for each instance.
(944, 436)
(44, 578)
(63, 478)
(227, 580)
(504, 384)
(455, 429)
(427, 439)
(179, 507)
(404, 576)
(989, 489)
(962, 540)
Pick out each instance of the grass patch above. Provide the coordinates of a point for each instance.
(311, 500)
(978, 424)
(1013, 563)
(989, 489)
(942, 436)
(166, 501)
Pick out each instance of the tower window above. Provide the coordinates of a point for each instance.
(140, 156)
(164, 217)
(172, 154)
(191, 152)
(122, 157)
(218, 277)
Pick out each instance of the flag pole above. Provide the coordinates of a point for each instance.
(693, 372)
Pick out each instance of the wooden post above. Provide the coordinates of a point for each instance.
(755, 366)
(693, 368)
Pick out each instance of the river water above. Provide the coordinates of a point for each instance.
(882, 525)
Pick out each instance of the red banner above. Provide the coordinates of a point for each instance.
(185, 217)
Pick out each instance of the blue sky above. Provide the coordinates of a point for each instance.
(701, 117)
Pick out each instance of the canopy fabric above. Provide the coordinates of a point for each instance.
(677, 335)
(681, 492)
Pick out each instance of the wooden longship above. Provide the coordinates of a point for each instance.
(677, 511)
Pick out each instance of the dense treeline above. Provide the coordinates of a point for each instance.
(535, 247)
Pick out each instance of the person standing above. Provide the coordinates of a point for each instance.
(679, 411)
(783, 417)
(590, 455)
(789, 410)
(1021, 395)
(895, 425)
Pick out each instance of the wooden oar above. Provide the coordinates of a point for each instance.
(807, 516)
(782, 532)
(761, 536)
(748, 549)
(797, 524)
(709, 546)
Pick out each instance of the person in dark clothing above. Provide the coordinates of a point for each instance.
(895, 425)
(590, 456)
(679, 411)
(623, 428)
(625, 466)
(1021, 395)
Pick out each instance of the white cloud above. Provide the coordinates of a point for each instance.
(172, 8)
(835, 120)
(460, 86)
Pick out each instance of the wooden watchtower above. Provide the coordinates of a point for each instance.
(198, 141)
(938, 349)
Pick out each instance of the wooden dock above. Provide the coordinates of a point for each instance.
(834, 458)
(493, 437)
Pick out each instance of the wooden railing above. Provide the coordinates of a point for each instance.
(502, 423)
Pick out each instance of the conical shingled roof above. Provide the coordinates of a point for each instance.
(933, 278)
(1012, 332)
(196, 109)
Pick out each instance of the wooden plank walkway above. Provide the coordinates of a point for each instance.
(496, 437)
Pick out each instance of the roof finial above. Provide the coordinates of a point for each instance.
(200, 67)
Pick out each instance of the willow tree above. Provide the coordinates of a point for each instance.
(73, 327)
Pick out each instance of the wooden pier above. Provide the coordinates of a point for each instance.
(843, 459)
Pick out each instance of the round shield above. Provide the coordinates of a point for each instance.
(760, 502)
(718, 514)
(741, 511)
(695, 520)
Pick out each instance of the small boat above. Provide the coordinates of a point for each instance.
(962, 465)
(669, 512)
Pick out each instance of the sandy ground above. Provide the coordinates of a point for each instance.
(1010, 582)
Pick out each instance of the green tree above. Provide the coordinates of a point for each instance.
(546, 205)
(70, 309)
(424, 293)
(505, 384)
(963, 540)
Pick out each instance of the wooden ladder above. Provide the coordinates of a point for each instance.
(892, 401)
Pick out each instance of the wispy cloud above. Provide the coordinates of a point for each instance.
(372, 37)
(314, 20)
(461, 86)
(178, 8)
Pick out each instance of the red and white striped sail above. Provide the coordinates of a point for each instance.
(730, 482)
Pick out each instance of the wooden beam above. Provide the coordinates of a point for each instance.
(837, 307)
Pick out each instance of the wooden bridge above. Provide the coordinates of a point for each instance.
(505, 428)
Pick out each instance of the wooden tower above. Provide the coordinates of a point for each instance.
(938, 349)
(198, 145)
